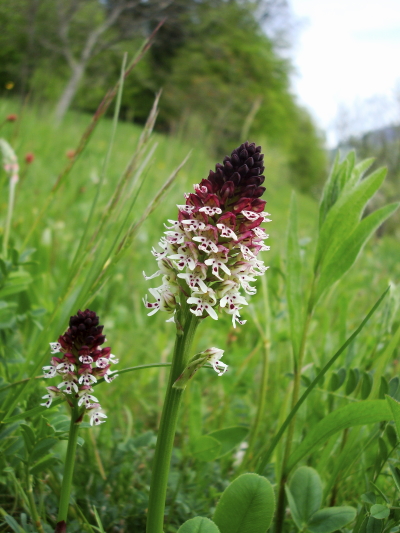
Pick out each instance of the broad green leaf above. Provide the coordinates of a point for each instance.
(293, 279)
(331, 190)
(198, 525)
(395, 410)
(13, 524)
(16, 282)
(339, 258)
(32, 412)
(229, 438)
(359, 170)
(380, 511)
(306, 490)
(206, 448)
(330, 519)
(345, 215)
(246, 505)
(391, 435)
(354, 414)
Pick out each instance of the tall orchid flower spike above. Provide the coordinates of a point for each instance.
(79, 361)
(209, 255)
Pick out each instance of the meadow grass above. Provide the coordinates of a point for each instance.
(112, 472)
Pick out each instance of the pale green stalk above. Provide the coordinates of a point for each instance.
(32, 504)
(169, 417)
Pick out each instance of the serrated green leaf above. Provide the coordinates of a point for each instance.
(344, 217)
(380, 512)
(293, 279)
(199, 525)
(306, 490)
(339, 258)
(206, 448)
(229, 438)
(355, 414)
(246, 505)
(330, 519)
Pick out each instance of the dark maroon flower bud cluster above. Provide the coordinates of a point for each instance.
(84, 330)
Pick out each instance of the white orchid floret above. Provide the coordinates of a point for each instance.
(86, 359)
(69, 385)
(175, 237)
(65, 367)
(247, 254)
(227, 232)
(87, 379)
(175, 224)
(186, 208)
(114, 360)
(55, 347)
(265, 216)
(53, 393)
(186, 256)
(193, 225)
(96, 416)
(110, 375)
(49, 371)
(86, 398)
(210, 211)
(204, 302)
(213, 357)
(251, 215)
(207, 245)
(165, 299)
(195, 279)
(260, 232)
(264, 247)
(216, 262)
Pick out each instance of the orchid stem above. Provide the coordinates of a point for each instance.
(166, 433)
(68, 468)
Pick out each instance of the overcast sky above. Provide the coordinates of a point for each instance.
(347, 52)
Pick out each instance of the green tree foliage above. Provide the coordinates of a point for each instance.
(217, 63)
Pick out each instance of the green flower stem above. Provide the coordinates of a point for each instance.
(166, 433)
(69, 466)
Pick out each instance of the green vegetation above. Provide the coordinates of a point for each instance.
(63, 255)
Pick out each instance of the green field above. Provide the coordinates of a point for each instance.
(80, 252)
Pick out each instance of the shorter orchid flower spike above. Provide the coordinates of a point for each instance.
(79, 359)
(211, 356)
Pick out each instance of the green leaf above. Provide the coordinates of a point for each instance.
(344, 216)
(354, 414)
(366, 385)
(391, 435)
(229, 438)
(41, 448)
(379, 511)
(44, 463)
(16, 282)
(330, 519)
(293, 278)
(395, 409)
(246, 505)
(383, 388)
(198, 525)
(206, 448)
(28, 436)
(13, 524)
(32, 412)
(306, 490)
(98, 520)
(352, 381)
(341, 257)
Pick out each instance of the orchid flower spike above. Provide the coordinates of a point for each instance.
(210, 254)
(78, 359)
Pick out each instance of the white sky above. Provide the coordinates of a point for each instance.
(348, 52)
